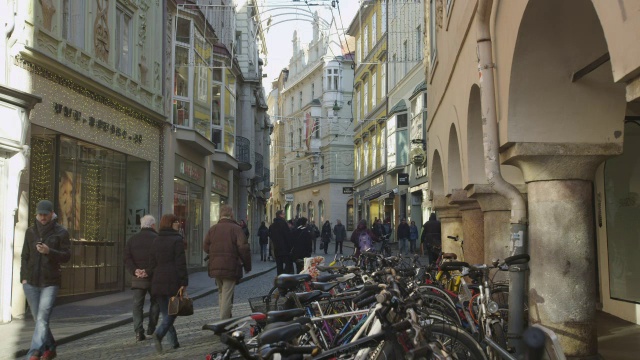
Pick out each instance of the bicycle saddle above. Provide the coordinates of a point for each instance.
(289, 281)
(284, 315)
(301, 320)
(324, 286)
(328, 277)
(285, 333)
(310, 296)
(453, 265)
(450, 256)
(220, 327)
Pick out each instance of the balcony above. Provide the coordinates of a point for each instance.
(259, 167)
(243, 153)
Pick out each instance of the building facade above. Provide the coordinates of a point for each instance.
(564, 138)
(95, 138)
(316, 115)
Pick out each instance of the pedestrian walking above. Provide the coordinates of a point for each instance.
(245, 229)
(229, 254)
(302, 242)
(340, 232)
(263, 238)
(362, 237)
(404, 232)
(377, 228)
(168, 276)
(413, 236)
(46, 246)
(388, 228)
(137, 255)
(326, 236)
(280, 236)
(431, 238)
(315, 233)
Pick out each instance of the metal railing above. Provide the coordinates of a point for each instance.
(243, 153)
(267, 178)
(259, 166)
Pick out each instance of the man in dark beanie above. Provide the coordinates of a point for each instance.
(46, 246)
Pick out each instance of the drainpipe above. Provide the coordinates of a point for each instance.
(519, 222)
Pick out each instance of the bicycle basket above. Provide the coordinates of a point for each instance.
(263, 304)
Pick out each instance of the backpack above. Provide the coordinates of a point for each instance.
(364, 241)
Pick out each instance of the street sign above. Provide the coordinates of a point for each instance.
(288, 197)
(347, 190)
(403, 179)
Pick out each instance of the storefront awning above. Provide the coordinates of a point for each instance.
(380, 195)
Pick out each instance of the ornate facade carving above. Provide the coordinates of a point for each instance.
(439, 13)
(101, 31)
(144, 69)
(48, 9)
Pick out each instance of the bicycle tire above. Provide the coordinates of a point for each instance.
(498, 334)
(460, 344)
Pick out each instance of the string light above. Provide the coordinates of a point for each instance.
(41, 177)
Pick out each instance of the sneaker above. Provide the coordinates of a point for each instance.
(35, 356)
(48, 355)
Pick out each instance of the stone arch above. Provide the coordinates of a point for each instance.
(437, 175)
(555, 40)
(454, 167)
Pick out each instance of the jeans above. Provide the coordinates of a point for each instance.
(41, 301)
(138, 307)
(412, 245)
(263, 252)
(225, 296)
(338, 244)
(167, 322)
(402, 244)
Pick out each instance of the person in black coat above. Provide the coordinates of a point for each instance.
(404, 232)
(302, 244)
(326, 236)
(169, 275)
(137, 261)
(280, 236)
(431, 236)
(263, 237)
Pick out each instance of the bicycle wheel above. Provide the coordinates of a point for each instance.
(435, 306)
(460, 344)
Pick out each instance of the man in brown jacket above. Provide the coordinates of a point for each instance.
(228, 252)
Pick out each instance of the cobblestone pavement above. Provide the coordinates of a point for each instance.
(195, 343)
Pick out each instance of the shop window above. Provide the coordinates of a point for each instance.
(188, 206)
(124, 40)
(350, 216)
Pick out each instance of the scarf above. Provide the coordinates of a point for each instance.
(44, 229)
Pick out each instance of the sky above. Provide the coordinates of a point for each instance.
(290, 15)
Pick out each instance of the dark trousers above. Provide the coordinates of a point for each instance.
(263, 252)
(284, 265)
(412, 245)
(315, 242)
(138, 308)
(299, 265)
(338, 244)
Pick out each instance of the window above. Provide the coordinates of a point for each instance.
(313, 91)
(299, 175)
(291, 177)
(394, 73)
(383, 17)
(291, 139)
(405, 60)
(73, 22)
(365, 41)
(365, 98)
(229, 112)
(383, 80)
(366, 142)
(335, 79)
(432, 33)
(299, 137)
(316, 128)
(292, 105)
(374, 90)
(374, 149)
(374, 28)
(124, 40)
(402, 140)
(300, 100)
(418, 42)
(332, 79)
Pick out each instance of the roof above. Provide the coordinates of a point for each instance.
(399, 107)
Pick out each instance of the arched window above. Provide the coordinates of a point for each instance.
(298, 210)
(310, 211)
(287, 211)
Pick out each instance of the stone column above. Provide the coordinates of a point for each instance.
(451, 220)
(472, 226)
(562, 282)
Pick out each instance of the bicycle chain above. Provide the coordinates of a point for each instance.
(376, 352)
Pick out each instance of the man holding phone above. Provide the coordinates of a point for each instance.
(46, 246)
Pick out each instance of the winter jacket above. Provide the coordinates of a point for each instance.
(355, 237)
(280, 236)
(302, 243)
(168, 264)
(263, 235)
(314, 231)
(403, 231)
(340, 232)
(431, 232)
(44, 269)
(413, 234)
(326, 233)
(228, 249)
(137, 255)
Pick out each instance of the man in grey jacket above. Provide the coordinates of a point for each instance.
(340, 233)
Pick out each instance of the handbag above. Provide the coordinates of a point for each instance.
(180, 305)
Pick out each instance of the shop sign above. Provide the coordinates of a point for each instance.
(347, 190)
(288, 197)
(377, 181)
(189, 171)
(219, 185)
(403, 179)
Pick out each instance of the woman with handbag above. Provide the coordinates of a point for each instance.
(169, 276)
